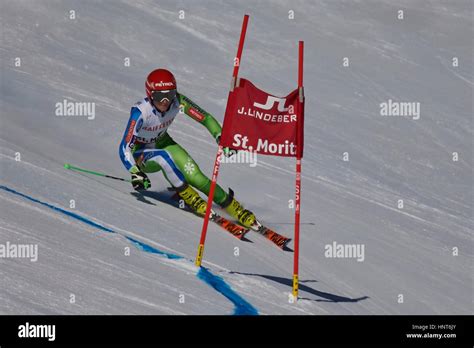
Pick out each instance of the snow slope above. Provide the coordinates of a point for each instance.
(408, 251)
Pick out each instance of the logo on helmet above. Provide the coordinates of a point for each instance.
(160, 84)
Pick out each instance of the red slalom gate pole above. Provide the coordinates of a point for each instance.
(298, 173)
(239, 50)
(215, 171)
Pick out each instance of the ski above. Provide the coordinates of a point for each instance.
(276, 238)
(234, 229)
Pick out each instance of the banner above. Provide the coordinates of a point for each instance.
(259, 122)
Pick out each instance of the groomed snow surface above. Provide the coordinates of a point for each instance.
(88, 264)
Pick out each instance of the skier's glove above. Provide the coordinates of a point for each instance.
(228, 152)
(140, 180)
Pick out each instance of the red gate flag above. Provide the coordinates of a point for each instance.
(260, 122)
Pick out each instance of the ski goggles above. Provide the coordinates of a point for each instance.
(160, 96)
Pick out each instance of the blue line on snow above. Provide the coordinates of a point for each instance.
(242, 307)
(149, 249)
(68, 213)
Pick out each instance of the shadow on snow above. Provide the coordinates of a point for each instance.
(327, 297)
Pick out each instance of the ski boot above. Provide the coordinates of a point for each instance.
(192, 199)
(237, 211)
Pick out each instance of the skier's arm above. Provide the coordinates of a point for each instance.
(125, 151)
(197, 113)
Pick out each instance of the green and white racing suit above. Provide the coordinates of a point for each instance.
(147, 145)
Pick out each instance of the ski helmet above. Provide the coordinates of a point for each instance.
(160, 84)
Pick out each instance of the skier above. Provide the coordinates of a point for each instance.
(147, 147)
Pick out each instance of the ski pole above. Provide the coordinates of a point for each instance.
(71, 167)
